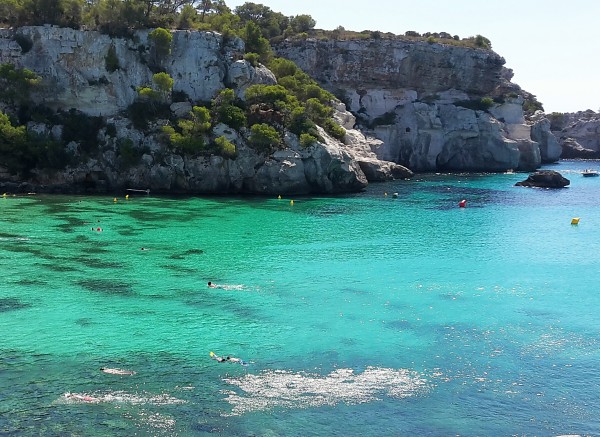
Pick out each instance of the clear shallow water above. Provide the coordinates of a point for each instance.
(359, 315)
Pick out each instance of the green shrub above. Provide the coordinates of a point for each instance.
(531, 104)
(482, 42)
(147, 93)
(10, 134)
(164, 84)
(49, 153)
(252, 58)
(81, 128)
(267, 94)
(161, 38)
(225, 147)
(263, 137)
(232, 116)
(487, 102)
(186, 144)
(21, 151)
(482, 104)
(129, 155)
(300, 123)
(317, 111)
(189, 136)
(255, 42)
(307, 140)
(140, 112)
(334, 129)
(16, 84)
(111, 60)
(557, 121)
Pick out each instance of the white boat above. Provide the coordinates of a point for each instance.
(588, 172)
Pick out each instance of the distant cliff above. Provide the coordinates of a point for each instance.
(433, 106)
(578, 133)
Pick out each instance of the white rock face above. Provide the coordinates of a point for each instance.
(411, 96)
(72, 64)
(550, 148)
(241, 74)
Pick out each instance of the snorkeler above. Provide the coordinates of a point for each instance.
(81, 398)
(117, 371)
(227, 358)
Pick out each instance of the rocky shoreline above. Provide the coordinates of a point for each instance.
(463, 115)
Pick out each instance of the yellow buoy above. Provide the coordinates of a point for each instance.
(127, 196)
(279, 197)
(575, 221)
(115, 199)
(385, 194)
(291, 202)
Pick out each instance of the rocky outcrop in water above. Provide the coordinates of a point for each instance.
(545, 179)
(424, 102)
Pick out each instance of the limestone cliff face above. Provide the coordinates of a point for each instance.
(409, 101)
(415, 97)
(73, 66)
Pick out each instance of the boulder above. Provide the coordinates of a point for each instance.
(545, 179)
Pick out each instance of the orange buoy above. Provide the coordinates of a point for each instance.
(462, 203)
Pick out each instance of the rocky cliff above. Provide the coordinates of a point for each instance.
(433, 106)
(414, 105)
(578, 133)
(73, 66)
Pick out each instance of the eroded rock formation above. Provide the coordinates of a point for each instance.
(424, 102)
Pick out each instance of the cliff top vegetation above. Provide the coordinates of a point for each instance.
(121, 17)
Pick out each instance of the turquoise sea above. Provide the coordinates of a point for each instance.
(363, 314)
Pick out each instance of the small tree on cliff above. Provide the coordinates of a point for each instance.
(16, 84)
(483, 42)
(263, 137)
(161, 45)
(189, 137)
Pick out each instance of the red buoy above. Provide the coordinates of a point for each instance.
(462, 203)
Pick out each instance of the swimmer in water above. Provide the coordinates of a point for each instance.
(81, 398)
(117, 371)
(216, 357)
(227, 359)
(211, 285)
